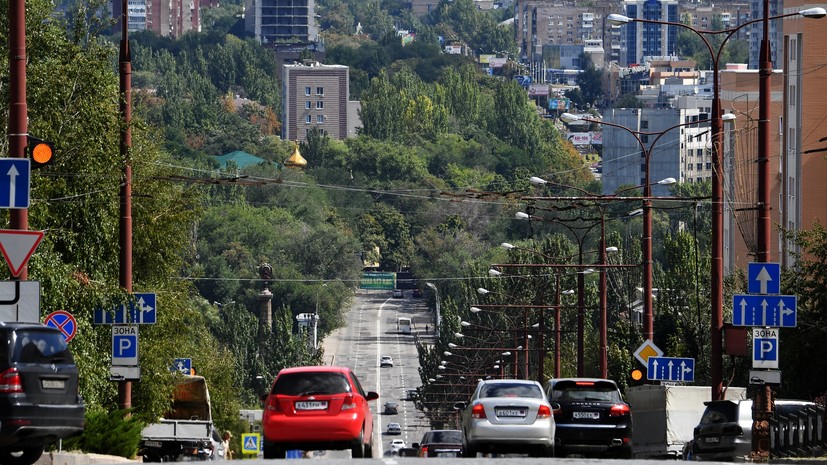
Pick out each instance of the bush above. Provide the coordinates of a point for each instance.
(111, 433)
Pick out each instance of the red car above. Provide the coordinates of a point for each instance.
(317, 408)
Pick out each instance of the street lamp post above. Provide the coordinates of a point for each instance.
(717, 291)
(646, 246)
(436, 308)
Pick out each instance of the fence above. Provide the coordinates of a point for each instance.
(798, 433)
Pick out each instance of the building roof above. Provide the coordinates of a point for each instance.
(240, 158)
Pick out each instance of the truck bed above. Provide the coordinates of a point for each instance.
(178, 430)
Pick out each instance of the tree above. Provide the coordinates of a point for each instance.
(590, 82)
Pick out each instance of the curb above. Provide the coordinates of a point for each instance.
(80, 458)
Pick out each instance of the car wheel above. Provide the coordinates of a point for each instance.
(369, 449)
(469, 452)
(547, 451)
(626, 453)
(271, 451)
(25, 456)
(358, 449)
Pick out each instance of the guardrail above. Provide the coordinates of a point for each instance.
(798, 434)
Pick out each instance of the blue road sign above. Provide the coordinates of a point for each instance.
(250, 443)
(765, 348)
(182, 365)
(125, 345)
(64, 322)
(143, 311)
(764, 310)
(670, 369)
(764, 278)
(15, 179)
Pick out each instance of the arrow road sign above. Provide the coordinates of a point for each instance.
(764, 278)
(18, 246)
(15, 177)
(182, 365)
(20, 301)
(670, 369)
(143, 311)
(646, 350)
(764, 310)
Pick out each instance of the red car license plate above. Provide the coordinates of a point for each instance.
(311, 405)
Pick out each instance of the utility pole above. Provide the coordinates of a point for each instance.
(18, 111)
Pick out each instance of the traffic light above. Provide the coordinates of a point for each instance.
(40, 152)
(638, 377)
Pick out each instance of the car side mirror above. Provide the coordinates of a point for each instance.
(263, 397)
(415, 445)
(460, 405)
(372, 395)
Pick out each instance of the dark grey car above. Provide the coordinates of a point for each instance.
(39, 400)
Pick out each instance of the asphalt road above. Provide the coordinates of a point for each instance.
(370, 333)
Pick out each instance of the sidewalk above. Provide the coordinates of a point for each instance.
(79, 458)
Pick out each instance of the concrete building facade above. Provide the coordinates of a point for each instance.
(170, 18)
(681, 153)
(281, 21)
(316, 96)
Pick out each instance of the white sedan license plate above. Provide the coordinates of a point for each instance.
(586, 415)
(53, 384)
(510, 413)
(311, 405)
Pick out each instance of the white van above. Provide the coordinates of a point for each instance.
(403, 325)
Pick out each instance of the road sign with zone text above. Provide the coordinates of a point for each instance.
(765, 348)
(125, 345)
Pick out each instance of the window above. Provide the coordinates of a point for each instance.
(320, 118)
(319, 90)
(699, 166)
(709, 165)
(308, 119)
(644, 138)
(307, 105)
(319, 105)
(307, 91)
(644, 124)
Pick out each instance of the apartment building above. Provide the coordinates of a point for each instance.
(316, 96)
(170, 18)
(803, 193)
(681, 153)
(642, 40)
(756, 32)
(281, 21)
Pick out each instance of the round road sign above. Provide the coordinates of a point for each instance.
(63, 321)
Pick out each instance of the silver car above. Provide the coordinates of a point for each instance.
(507, 416)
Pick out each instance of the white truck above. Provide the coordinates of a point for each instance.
(187, 430)
(664, 417)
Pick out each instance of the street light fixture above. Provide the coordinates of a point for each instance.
(717, 278)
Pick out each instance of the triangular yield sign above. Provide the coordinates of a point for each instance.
(18, 246)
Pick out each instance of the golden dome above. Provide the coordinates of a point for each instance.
(296, 160)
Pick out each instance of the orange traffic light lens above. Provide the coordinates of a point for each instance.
(637, 375)
(42, 153)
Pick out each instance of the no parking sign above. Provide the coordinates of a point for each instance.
(64, 322)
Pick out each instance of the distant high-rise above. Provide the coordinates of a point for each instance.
(640, 40)
(168, 18)
(281, 21)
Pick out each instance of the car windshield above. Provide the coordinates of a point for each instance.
(720, 412)
(511, 390)
(437, 437)
(310, 383)
(41, 347)
(566, 391)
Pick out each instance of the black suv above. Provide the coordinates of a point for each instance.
(39, 400)
(591, 418)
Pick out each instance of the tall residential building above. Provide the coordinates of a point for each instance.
(642, 40)
(316, 96)
(680, 153)
(281, 21)
(739, 95)
(803, 199)
(168, 18)
(756, 32)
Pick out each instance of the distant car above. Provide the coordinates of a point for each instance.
(317, 408)
(507, 416)
(397, 294)
(440, 443)
(591, 418)
(394, 428)
(39, 399)
(396, 445)
(386, 361)
(411, 394)
(391, 408)
(725, 430)
(417, 293)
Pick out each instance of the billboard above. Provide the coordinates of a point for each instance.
(486, 58)
(538, 90)
(497, 62)
(597, 138)
(579, 138)
(558, 104)
(378, 280)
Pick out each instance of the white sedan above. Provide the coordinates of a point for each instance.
(396, 446)
(386, 361)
